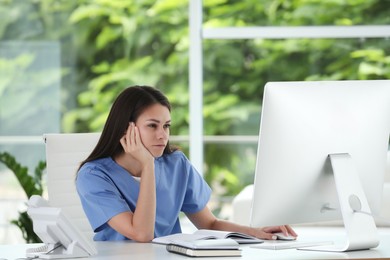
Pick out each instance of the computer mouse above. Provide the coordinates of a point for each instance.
(281, 236)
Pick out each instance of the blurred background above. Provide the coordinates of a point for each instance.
(62, 63)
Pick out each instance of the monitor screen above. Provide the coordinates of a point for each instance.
(302, 125)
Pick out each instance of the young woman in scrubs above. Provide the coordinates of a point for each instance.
(134, 184)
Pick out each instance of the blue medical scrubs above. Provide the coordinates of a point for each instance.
(106, 189)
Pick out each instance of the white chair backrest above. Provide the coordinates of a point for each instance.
(64, 153)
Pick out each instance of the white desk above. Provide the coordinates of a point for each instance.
(148, 251)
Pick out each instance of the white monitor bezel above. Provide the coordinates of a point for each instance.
(286, 144)
(302, 124)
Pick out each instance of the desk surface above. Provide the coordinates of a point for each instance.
(146, 251)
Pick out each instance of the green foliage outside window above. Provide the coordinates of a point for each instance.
(107, 45)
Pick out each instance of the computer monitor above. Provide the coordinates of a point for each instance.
(62, 239)
(321, 156)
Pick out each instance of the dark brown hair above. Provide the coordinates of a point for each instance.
(127, 107)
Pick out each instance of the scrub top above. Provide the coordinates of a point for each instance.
(106, 189)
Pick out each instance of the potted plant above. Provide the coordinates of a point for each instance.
(32, 185)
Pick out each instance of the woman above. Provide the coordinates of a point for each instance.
(134, 184)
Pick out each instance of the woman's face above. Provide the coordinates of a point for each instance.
(153, 125)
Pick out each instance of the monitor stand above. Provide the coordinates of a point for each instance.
(360, 228)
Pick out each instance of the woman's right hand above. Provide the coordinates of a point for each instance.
(138, 225)
(132, 145)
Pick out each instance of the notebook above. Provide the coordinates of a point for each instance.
(203, 234)
(202, 248)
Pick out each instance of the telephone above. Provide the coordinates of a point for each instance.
(61, 238)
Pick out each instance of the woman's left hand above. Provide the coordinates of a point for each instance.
(268, 232)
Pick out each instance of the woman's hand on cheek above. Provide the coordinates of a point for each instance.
(132, 144)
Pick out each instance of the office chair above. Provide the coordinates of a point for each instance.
(64, 153)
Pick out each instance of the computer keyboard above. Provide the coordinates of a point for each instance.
(296, 244)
